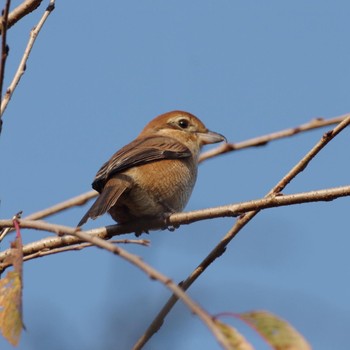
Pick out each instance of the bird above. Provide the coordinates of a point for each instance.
(153, 176)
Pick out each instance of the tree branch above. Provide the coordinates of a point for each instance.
(34, 249)
(20, 11)
(75, 201)
(265, 139)
(78, 246)
(22, 65)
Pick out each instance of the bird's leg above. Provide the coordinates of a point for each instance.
(165, 216)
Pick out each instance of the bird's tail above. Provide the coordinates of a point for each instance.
(110, 194)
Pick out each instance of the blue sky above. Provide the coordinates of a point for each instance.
(97, 75)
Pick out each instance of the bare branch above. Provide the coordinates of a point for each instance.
(240, 223)
(22, 65)
(42, 226)
(75, 201)
(78, 246)
(265, 139)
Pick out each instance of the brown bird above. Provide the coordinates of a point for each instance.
(154, 175)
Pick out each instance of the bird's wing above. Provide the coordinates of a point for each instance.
(138, 152)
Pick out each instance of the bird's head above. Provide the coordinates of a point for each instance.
(183, 127)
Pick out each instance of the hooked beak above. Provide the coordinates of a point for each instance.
(210, 137)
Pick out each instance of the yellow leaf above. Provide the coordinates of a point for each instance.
(277, 332)
(11, 323)
(236, 340)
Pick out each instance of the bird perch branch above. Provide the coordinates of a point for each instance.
(67, 234)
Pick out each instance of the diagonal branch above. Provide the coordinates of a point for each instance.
(72, 202)
(240, 223)
(166, 281)
(265, 139)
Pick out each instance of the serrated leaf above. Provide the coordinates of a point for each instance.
(11, 323)
(277, 332)
(235, 339)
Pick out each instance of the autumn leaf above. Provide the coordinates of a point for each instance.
(11, 323)
(277, 332)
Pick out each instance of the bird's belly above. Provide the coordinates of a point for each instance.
(159, 189)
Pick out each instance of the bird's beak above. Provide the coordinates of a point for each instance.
(210, 137)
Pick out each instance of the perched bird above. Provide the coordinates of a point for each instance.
(154, 175)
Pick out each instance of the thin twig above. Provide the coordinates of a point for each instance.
(20, 11)
(240, 223)
(22, 65)
(4, 49)
(75, 201)
(175, 220)
(78, 246)
(265, 139)
(41, 226)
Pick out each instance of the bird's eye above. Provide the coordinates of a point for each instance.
(183, 123)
